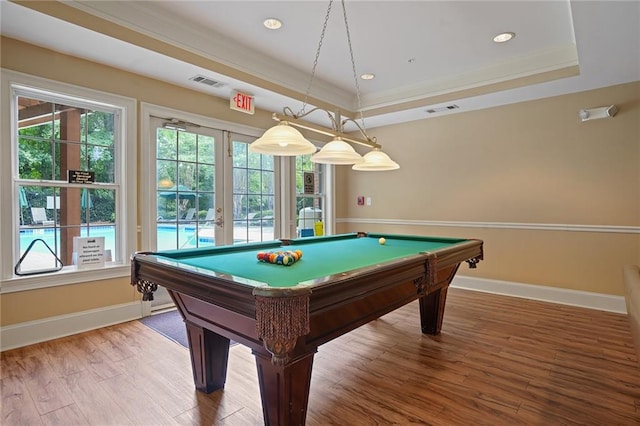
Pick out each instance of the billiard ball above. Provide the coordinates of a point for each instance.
(382, 241)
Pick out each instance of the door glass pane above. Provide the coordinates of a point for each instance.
(206, 177)
(240, 153)
(206, 150)
(166, 173)
(187, 146)
(166, 144)
(240, 180)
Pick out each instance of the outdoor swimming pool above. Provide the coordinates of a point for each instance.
(167, 237)
(51, 237)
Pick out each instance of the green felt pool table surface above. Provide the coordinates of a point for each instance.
(322, 256)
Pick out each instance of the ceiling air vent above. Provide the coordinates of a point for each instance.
(205, 80)
(444, 108)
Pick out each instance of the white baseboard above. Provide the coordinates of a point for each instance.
(563, 296)
(28, 333)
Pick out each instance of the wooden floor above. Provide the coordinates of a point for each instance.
(498, 361)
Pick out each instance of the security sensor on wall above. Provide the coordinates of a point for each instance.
(595, 113)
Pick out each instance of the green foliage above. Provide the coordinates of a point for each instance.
(253, 183)
(39, 152)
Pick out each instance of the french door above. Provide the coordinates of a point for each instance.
(189, 190)
(208, 189)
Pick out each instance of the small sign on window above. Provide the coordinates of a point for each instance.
(309, 183)
(88, 252)
(81, 176)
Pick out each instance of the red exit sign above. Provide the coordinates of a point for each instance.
(242, 102)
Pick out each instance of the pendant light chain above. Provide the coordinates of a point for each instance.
(315, 62)
(353, 64)
(285, 140)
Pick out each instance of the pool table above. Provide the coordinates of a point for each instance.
(283, 313)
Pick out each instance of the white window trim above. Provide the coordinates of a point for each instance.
(330, 200)
(288, 200)
(126, 169)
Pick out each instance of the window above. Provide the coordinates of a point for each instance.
(310, 197)
(57, 132)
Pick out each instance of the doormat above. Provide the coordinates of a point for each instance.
(171, 325)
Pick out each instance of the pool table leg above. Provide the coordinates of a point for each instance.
(432, 310)
(284, 389)
(209, 356)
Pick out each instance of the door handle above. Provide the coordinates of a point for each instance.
(219, 218)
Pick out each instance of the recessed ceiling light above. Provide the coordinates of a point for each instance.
(503, 37)
(272, 23)
(368, 76)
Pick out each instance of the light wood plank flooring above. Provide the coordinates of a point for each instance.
(498, 361)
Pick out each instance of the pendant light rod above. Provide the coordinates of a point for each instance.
(303, 124)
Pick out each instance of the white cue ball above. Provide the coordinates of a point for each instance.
(382, 241)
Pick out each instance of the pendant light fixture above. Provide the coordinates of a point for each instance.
(283, 139)
(337, 152)
(376, 161)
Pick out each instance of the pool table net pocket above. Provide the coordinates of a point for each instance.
(280, 320)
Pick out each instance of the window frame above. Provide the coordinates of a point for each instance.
(125, 180)
(325, 182)
(289, 201)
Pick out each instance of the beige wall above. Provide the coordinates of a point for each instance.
(529, 163)
(53, 301)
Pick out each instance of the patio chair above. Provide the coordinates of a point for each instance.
(189, 214)
(39, 216)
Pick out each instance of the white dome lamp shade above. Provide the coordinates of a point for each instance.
(283, 140)
(337, 152)
(375, 161)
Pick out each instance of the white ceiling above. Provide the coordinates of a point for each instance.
(418, 50)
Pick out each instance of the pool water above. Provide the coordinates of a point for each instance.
(169, 237)
(51, 237)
